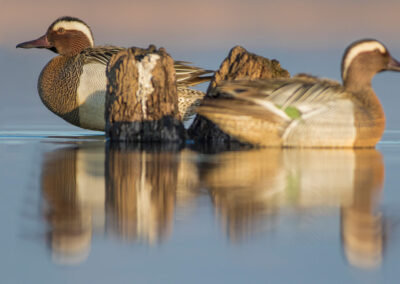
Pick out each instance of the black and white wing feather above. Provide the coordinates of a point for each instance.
(298, 97)
(186, 73)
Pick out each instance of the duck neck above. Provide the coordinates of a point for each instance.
(357, 81)
(73, 50)
(360, 87)
(71, 45)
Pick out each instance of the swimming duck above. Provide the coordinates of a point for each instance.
(305, 111)
(73, 84)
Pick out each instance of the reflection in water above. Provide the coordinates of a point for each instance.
(249, 189)
(362, 227)
(134, 194)
(245, 186)
(73, 186)
(141, 190)
(136, 190)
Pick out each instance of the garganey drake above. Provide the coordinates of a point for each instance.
(305, 111)
(73, 84)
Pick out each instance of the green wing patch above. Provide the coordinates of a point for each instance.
(293, 112)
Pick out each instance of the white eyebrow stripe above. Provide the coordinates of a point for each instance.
(73, 25)
(358, 49)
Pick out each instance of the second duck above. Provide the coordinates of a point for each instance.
(305, 111)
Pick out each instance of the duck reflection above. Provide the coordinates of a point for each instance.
(125, 191)
(251, 189)
(362, 225)
(74, 190)
(134, 193)
(244, 187)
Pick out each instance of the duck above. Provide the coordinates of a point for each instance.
(307, 111)
(73, 84)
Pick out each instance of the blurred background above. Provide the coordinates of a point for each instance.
(307, 36)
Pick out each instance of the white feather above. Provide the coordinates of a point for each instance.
(91, 96)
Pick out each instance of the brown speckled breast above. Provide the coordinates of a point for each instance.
(57, 86)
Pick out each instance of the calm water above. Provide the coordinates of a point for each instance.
(75, 209)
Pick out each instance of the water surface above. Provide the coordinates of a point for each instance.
(76, 209)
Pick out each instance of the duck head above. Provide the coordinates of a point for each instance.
(66, 36)
(363, 59)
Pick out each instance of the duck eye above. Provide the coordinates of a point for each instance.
(61, 30)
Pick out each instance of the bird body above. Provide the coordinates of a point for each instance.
(306, 111)
(73, 84)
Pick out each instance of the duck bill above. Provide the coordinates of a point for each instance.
(393, 65)
(41, 42)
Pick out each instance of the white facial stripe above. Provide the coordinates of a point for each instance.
(75, 26)
(360, 48)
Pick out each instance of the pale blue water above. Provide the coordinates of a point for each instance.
(74, 209)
